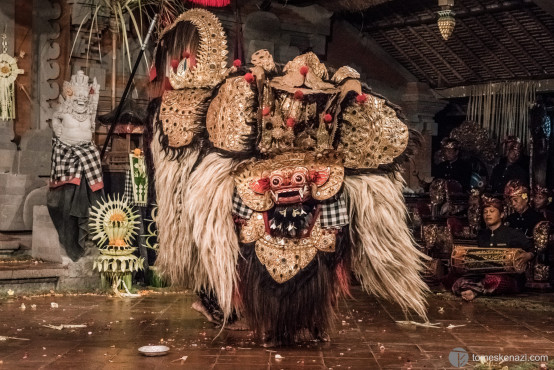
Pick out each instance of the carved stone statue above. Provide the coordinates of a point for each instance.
(74, 122)
(76, 175)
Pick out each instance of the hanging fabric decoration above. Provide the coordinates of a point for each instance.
(213, 3)
(502, 108)
(8, 73)
(139, 179)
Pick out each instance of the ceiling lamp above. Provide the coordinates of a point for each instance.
(446, 21)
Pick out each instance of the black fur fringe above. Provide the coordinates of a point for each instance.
(306, 304)
(152, 116)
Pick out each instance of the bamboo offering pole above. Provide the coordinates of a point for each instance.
(114, 29)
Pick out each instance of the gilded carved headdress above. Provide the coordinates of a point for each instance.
(516, 188)
(542, 190)
(211, 59)
(490, 201)
(304, 110)
(300, 109)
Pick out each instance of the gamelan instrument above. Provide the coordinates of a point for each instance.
(477, 260)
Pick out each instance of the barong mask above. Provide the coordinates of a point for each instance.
(251, 181)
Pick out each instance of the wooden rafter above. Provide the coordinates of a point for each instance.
(477, 39)
(537, 21)
(492, 41)
(406, 57)
(516, 44)
(455, 55)
(490, 36)
(444, 45)
(500, 45)
(461, 13)
(546, 5)
(435, 53)
(426, 60)
(529, 37)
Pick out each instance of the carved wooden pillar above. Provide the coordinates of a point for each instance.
(23, 44)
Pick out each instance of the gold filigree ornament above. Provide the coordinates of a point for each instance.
(371, 134)
(229, 115)
(310, 83)
(284, 258)
(181, 113)
(211, 58)
(345, 72)
(250, 175)
(8, 74)
(263, 58)
(541, 272)
(541, 234)
(253, 230)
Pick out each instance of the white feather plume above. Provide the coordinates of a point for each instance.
(384, 257)
(208, 204)
(176, 254)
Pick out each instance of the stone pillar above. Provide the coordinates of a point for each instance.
(7, 148)
(46, 245)
(13, 192)
(420, 106)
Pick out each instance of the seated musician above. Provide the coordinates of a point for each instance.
(523, 218)
(496, 235)
(542, 202)
(453, 167)
(513, 166)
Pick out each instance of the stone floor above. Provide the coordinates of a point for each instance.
(366, 335)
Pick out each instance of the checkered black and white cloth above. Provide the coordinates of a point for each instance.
(128, 191)
(334, 212)
(71, 162)
(239, 208)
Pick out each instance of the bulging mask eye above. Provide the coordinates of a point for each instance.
(275, 181)
(299, 178)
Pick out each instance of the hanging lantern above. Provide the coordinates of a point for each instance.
(212, 3)
(446, 23)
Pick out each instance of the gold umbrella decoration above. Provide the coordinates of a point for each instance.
(8, 73)
(115, 223)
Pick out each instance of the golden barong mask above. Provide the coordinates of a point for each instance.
(211, 58)
(302, 110)
(289, 178)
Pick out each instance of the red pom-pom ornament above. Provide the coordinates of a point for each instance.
(249, 77)
(237, 63)
(298, 95)
(174, 63)
(266, 111)
(211, 3)
(304, 70)
(328, 118)
(361, 98)
(291, 122)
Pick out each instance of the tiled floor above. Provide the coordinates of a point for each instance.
(366, 335)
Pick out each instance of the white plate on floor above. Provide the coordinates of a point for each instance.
(154, 350)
